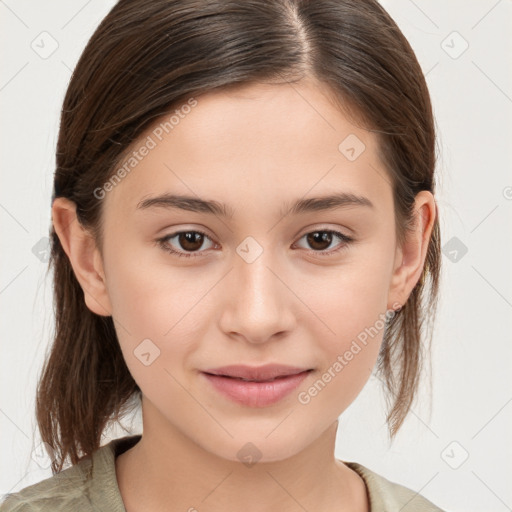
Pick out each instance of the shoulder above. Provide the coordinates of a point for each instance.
(89, 485)
(390, 496)
(66, 490)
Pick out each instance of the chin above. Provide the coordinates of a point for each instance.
(260, 447)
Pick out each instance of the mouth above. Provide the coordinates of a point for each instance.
(266, 373)
(255, 386)
(251, 380)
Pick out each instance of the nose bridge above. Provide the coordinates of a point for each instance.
(258, 307)
(258, 288)
(256, 280)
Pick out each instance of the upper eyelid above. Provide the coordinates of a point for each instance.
(335, 231)
(308, 229)
(305, 232)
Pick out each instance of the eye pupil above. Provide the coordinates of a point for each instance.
(320, 237)
(189, 240)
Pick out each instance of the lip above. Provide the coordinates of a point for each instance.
(265, 372)
(255, 386)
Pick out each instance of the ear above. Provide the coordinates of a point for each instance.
(85, 258)
(410, 258)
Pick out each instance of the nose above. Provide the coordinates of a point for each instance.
(259, 304)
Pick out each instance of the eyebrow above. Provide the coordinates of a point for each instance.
(194, 204)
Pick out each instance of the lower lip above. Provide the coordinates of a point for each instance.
(256, 394)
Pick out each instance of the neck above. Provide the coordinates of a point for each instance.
(166, 466)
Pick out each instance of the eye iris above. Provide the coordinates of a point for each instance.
(189, 240)
(320, 237)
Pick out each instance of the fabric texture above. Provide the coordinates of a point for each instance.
(70, 490)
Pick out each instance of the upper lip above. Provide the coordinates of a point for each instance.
(266, 372)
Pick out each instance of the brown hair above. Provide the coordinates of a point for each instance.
(147, 57)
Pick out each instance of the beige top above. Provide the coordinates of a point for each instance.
(69, 490)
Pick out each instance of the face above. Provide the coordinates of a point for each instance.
(260, 282)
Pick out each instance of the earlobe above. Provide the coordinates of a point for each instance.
(85, 258)
(411, 257)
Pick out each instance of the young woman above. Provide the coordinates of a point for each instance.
(244, 225)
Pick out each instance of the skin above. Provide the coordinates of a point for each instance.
(255, 148)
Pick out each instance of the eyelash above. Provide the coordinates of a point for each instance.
(162, 242)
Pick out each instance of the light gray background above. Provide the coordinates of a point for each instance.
(455, 449)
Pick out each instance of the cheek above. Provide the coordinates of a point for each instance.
(349, 299)
(155, 310)
(352, 309)
(148, 296)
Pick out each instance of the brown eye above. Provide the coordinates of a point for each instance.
(186, 241)
(319, 241)
(190, 240)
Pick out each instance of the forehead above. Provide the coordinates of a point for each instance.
(253, 142)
